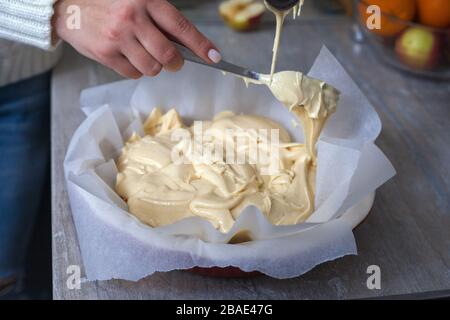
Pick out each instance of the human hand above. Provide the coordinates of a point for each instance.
(132, 37)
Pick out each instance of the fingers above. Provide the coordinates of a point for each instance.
(140, 58)
(132, 37)
(169, 19)
(111, 56)
(161, 48)
(121, 65)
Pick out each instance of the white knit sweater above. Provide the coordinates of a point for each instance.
(26, 47)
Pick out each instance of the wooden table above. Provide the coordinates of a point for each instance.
(407, 232)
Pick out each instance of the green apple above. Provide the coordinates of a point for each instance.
(418, 48)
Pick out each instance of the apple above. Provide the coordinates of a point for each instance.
(242, 15)
(418, 48)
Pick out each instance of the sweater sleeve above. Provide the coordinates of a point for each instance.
(27, 21)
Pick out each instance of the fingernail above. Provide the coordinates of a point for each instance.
(214, 55)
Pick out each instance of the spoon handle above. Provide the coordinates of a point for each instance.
(221, 65)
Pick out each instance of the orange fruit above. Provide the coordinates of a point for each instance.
(434, 13)
(389, 26)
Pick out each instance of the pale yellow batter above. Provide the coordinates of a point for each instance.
(311, 100)
(280, 15)
(160, 191)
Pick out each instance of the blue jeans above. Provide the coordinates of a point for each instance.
(24, 166)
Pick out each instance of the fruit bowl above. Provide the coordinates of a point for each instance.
(402, 41)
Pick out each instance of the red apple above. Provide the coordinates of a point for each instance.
(242, 15)
(418, 48)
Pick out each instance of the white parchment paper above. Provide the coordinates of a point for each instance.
(114, 244)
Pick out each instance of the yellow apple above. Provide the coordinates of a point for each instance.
(242, 15)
